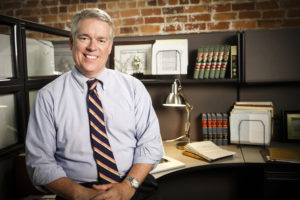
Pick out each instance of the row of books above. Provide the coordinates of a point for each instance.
(215, 127)
(213, 61)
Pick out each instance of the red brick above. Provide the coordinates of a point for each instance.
(152, 20)
(150, 28)
(49, 3)
(172, 28)
(102, 6)
(273, 14)
(11, 5)
(152, 3)
(290, 4)
(31, 4)
(269, 23)
(291, 23)
(195, 9)
(65, 17)
(161, 2)
(47, 19)
(63, 9)
(218, 26)
(266, 5)
(131, 4)
(122, 5)
(200, 17)
(176, 19)
(222, 7)
(293, 13)
(224, 16)
(195, 27)
(130, 13)
(244, 24)
(54, 10)
(195, 1)
(173, 10)
(151, 11)
(243, 6)
(132, 21)
(173, 2)
(69, 2)
(183, 1)
(249, 15)
(126, 30)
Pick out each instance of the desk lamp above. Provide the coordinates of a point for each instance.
(177, 99)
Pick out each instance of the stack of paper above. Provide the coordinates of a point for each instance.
(251, 123)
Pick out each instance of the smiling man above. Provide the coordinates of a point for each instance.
(93, 133)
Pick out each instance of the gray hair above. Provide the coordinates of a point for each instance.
(91, 13)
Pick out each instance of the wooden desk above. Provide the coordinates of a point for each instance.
(242, 176)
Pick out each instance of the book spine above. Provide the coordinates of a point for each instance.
(203, 63)
(219, 129)
(214, 127)
(198, 63)
(233, 62)
(224, 62)
(208, 62)
(209, 126)
(225, 128)
(219, 62)
(204, 126)
(214, 63)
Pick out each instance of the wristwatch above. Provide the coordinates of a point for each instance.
(133, 181)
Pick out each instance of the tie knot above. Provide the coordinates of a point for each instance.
(92, 84)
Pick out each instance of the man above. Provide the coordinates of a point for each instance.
(60, 151)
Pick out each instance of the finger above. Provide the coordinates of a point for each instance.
(102, 187)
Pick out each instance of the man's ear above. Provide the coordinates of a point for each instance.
(71, 42)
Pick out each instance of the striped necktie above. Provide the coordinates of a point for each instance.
(106, 164)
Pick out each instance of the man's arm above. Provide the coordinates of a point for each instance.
(69, 189)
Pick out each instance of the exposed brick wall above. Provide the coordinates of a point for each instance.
(160, 17)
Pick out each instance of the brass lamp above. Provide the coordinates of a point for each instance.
(177, 99)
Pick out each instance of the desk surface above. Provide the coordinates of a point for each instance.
(244, 154)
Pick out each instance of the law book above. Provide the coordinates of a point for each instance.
(224, 129)
(209, 126)
(214, 127)
(208, 62)
(208, 150)
(204, 126)
(219, 128)
(198, 62)
(219, 62)
(233, 62)
(214, 63)
(224, 62)
(203, 63)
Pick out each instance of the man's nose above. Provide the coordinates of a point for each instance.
(92, 46)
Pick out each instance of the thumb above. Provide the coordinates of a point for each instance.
(102, 187)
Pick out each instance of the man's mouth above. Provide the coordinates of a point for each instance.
(90, 57)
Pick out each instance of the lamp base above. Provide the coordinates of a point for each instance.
(181, 145)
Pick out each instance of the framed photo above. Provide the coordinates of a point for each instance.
(132, 57)
(292, 126)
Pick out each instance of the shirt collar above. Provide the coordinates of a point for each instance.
(81, 80)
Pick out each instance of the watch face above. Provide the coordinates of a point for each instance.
(134, 182)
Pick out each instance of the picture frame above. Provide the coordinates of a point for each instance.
(132, 57)
(291, 124)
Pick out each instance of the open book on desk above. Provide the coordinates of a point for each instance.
(207, 150)
(167, 163)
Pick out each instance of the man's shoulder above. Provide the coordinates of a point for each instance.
(57, 83)
(117, 75)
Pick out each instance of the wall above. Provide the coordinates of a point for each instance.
(160, 17)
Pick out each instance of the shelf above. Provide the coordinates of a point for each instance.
(189, 81)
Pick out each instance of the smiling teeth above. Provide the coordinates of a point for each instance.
(91, 57)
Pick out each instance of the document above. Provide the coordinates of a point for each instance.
(208, 150)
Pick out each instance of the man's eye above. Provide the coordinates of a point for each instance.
(83, 38)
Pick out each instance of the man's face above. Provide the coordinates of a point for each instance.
(91, 47)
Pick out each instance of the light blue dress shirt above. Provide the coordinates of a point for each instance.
(58, 140)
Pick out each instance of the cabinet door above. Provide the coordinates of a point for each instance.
(272, 55)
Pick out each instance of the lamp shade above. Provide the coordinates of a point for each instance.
(174, 99)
